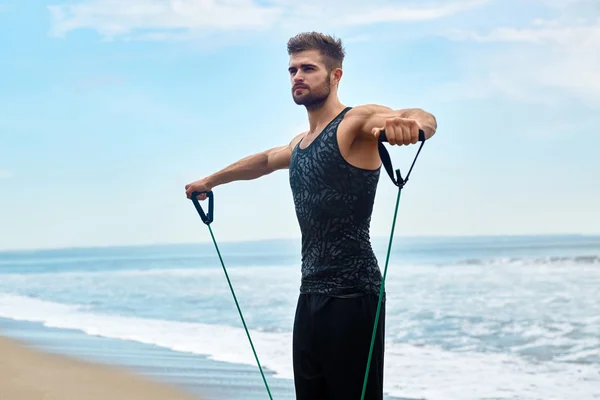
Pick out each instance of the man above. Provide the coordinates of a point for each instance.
(333, 172)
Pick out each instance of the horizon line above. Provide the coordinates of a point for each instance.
(291, 238)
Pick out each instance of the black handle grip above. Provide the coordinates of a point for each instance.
(383, 137)
(206, 218)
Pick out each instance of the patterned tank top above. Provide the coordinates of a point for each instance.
(334, 201)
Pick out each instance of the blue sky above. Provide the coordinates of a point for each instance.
(108, 108)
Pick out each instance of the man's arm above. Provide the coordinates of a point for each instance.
(248, 168)
(402, 126)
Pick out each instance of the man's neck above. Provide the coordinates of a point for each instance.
(320, 116)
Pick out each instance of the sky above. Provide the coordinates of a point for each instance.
(109, 108)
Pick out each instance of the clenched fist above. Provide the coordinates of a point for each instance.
(400, 131)
(198, 186)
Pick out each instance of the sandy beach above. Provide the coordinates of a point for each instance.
(29, 374)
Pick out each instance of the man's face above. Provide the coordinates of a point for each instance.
(309, 77)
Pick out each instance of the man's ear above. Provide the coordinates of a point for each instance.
(336, 76)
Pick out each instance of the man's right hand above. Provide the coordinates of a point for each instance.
(198, 186)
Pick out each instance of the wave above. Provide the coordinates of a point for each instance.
(412, 371)
(219, 342)
(550, 260)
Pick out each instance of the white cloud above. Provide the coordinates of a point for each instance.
(184, 19)
(561, 33)
(588, 8)
(393, 13)
(525, 61)
(115, 17)
(4, 174)
(560, 54)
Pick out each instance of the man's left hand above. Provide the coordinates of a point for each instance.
(400, 131)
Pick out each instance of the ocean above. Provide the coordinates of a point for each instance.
(467, 318)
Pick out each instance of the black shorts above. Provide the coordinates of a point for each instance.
(331, 342)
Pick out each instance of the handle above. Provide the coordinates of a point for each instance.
(387, 162)
(383, 137)
(206, 218)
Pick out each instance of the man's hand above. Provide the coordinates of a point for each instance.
(198, 186)
(400, 131)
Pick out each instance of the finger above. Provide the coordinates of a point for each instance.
(189, 192)
(390, 131)
(392, 135)
(401, 134)
(407, 135)
(414, 133)
(376, 132)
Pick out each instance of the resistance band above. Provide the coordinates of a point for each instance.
(207, 219)
(398, 182)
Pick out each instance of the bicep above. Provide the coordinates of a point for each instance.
(279, 157)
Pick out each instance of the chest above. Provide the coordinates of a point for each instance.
(319, 168)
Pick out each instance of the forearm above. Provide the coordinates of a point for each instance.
(373, 116)
(251, 167)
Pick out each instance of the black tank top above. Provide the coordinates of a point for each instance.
(334, 201)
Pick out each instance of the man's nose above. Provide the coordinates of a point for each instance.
(298, 77)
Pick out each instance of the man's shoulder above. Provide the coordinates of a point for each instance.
(362, 115)
(366, 110)
(298, 137)
(359, 118)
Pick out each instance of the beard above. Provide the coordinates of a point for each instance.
(314, 97)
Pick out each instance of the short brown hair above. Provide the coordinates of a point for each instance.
(330, 47)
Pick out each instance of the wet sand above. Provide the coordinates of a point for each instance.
(30, 374)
